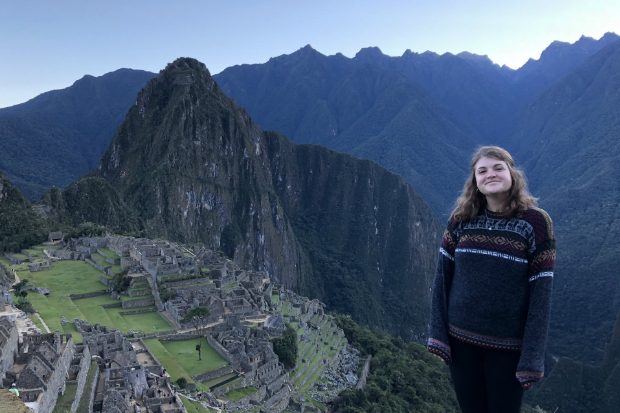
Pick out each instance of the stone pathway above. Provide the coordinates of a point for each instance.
(23, 323)
(47, 329)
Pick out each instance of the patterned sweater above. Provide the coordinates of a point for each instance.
(493, 287)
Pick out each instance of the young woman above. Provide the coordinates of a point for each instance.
(491, 295)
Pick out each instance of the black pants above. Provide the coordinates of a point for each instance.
(484, 379)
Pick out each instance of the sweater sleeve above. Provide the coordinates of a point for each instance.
(438, 342)
(540, 273)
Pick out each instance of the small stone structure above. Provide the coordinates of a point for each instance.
(40, 368)
(55, 237)
(8, 344)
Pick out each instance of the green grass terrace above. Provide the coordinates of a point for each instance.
(76, 277)
(180, 358)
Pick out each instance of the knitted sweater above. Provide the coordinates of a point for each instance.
(493, 287)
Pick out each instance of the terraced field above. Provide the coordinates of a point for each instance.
(195, 407)
(317, 345)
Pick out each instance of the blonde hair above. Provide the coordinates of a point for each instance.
(471, 201)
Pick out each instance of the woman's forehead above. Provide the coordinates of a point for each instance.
(488, 161)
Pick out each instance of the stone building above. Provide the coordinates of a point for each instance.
(9, 338)
(40, 369)
(129, 381)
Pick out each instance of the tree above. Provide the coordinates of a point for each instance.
(286, 347)
(21, 291)
(198, 317)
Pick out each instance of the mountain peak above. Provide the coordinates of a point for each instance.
(185, 66)
(367, 53)
(307, 52)
(474, 57)
(185, 74)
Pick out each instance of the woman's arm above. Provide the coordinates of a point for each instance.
(438, 342)
(540, 279)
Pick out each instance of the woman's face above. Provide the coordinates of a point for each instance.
(492, 177)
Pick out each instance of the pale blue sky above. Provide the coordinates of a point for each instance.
(47, 45)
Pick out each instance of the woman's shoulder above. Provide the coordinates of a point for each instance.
(538, 218)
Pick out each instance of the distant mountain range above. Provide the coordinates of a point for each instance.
(60, 135)
(418, 115)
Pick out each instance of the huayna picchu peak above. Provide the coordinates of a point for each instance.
(193, 167)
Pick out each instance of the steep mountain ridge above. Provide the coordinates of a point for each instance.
(556, 61)
(352, 105)
(195, 168)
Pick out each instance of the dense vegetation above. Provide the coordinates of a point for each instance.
(286, 347)
(20, 226)
(403, 376)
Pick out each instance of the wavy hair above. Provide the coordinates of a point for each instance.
(471, 201)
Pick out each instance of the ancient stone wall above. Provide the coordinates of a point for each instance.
(81, 378)
(213, 374)
(279, 401)
(9, 338)
(87, 295)
(56, 382)
(92, 390)
(147, 302)
(219, 348)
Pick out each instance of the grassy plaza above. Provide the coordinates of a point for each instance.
(64, 278)
(180, 358)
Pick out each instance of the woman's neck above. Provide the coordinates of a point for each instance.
(497, 204)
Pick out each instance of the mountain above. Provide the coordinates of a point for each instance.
(60, 135)
(193, 167)
(570, 138)
(556, 61)
(580, 388)
(372, 106)
(20, 226)
(409, 113)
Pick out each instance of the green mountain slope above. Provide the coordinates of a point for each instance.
(20, 226)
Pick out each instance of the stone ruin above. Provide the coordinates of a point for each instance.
(240, 325)
(39, 367)
(126, 381)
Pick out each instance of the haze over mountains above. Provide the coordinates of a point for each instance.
(418, 115)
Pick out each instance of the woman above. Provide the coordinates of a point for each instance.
(491, 296)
